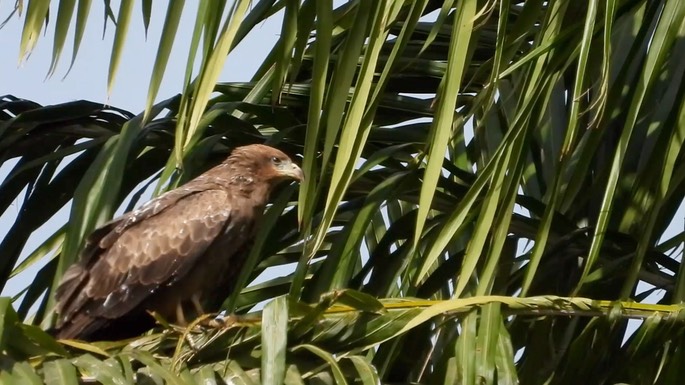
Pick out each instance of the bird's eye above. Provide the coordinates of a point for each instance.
(275, 160)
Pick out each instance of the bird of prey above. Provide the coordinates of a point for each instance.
(176, 255)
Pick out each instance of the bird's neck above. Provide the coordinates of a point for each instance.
(248, 187)
(243, 180)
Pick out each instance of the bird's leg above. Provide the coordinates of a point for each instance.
(180, 313)
(195, 300)
(180, 317)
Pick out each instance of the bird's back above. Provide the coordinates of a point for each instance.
(152, 265)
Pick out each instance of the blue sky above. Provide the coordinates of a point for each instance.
(88, 78)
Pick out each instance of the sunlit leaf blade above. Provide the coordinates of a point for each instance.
(171, 22)
(36, 13)
(60, 372)
(123, 20)
(79, 29)
(274, 341)
(64, 15)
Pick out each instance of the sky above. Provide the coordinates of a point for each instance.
(88, 78)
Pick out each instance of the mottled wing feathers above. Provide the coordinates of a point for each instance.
(136, 257)
(100, 239)
(148, 210)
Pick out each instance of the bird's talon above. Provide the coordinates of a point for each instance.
(223, 322)
(217, 323)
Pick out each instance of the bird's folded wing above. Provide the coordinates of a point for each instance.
(132, 264)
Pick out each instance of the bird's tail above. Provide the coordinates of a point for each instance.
(86, 328)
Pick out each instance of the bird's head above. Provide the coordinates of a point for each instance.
(266, 163)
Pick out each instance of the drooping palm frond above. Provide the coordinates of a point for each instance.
(294, 343)
(513, 149)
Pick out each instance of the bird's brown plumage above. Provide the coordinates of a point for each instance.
(187, 244)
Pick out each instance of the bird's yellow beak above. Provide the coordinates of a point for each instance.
(291, 170)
